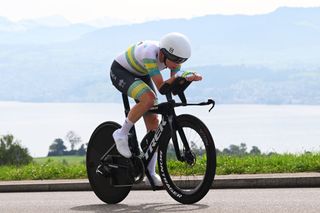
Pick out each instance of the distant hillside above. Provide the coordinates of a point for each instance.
(278, 38)
(272, 58)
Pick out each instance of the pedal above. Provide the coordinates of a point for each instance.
(137, 169)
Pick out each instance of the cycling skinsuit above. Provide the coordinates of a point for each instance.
(132, 70)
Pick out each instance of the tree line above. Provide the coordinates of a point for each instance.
(57, 148)
(239, 150)
(12, 153)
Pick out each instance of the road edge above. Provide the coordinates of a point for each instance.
(288, 180)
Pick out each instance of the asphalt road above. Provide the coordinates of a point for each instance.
(219, 200)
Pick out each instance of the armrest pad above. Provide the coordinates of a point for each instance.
(165, 89)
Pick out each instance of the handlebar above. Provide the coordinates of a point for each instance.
(177, 87)
(164, 108)
(210, 101)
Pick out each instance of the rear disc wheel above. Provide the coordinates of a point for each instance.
(100, 142)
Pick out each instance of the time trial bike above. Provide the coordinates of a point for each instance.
(186, 153)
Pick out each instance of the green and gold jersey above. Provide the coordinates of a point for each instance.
(142, 59)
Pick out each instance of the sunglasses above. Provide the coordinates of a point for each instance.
(173, 58)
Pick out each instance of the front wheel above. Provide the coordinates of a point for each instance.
(188, 181)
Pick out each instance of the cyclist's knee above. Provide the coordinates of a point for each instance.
(152, 120)
(155, 120)
(148, 99)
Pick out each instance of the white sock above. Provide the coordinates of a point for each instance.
(152, 164)
(127, 125)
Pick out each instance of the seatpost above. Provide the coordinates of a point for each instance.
(126, 104)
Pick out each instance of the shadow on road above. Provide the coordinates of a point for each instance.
(144, 208)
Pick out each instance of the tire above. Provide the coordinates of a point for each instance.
(189, 185)
(101, 140)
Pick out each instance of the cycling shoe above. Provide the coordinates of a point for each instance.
(122, 145)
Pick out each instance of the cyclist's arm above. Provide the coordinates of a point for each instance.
(190, 75)
(174, 71)
(158, 80)
(154, 72)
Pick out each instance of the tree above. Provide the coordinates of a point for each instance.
(171, 153)
(73, 139)
(255, 151)
(243, 149)
(11, 152)
(196, 149)
(226, 151)
(218, 152)
(194, 146)
(57, 147)
(82, 150)
(236, 150)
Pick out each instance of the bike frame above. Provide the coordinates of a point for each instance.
(168, 123)
(166, 128)
(158, 136)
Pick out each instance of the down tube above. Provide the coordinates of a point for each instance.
(161, 135)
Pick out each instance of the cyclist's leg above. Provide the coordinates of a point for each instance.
(146, 101)
(134, 87)
(122, 79)
(151, 122)
(150, 119)
(143, 92)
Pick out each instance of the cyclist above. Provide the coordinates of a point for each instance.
(132, 73)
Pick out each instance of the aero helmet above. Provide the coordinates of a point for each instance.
(175, 47)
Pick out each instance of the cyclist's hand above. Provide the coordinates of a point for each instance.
(189, 75)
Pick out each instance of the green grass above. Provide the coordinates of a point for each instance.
(284, 163)
(253, 164)
(57, 167)
(62, 159)
(179, 168)
(73, 167)
(46, 168)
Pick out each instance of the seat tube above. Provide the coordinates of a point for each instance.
(126, 104)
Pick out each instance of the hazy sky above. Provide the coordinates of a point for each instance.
(140, 10)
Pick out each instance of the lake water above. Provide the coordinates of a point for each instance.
(273, 128)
